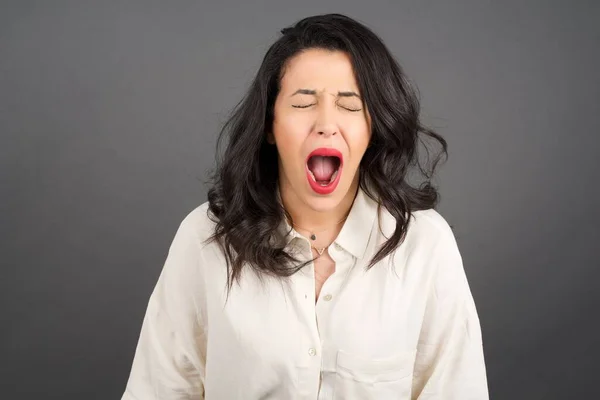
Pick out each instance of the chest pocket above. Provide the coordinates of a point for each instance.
(358, 378)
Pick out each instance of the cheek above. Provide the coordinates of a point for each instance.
(289, 140)
(358, 140)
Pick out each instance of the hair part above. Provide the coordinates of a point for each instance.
(243, 200)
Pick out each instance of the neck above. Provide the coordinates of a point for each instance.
(306, 217)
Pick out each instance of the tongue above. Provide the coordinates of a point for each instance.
(322, 167)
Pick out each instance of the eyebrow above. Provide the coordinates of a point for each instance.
(314, 93)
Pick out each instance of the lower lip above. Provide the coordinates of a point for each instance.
(324, 189)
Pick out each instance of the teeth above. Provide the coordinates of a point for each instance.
(330, 179)
(334, 175)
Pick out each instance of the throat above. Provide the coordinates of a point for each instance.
(323, 169)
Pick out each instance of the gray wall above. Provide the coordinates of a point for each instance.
(108, 118)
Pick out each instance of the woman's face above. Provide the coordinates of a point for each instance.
(321, 128)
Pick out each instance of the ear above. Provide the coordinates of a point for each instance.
(270, 138)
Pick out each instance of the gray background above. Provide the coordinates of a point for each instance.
(108, 118)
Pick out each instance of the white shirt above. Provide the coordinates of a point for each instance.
(405, 329)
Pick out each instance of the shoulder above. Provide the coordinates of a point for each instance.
(430, 223)
(426, 228)
(197, 223)
(428, 244)
(430, 254)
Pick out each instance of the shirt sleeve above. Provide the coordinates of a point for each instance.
(450, 360)
(170, 355)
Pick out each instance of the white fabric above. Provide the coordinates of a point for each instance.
(406, 329)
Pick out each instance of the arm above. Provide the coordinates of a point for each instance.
(169, 358)
(450, 360)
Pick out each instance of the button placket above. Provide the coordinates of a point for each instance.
(333, 283)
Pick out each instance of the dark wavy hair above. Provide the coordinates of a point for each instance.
(242, 198)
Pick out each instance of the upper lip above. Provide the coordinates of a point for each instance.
(326, 152)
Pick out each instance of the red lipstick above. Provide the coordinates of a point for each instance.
(323, 187)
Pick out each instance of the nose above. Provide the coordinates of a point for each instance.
(327, 131)
(325, 124)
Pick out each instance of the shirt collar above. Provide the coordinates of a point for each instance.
(356, 231)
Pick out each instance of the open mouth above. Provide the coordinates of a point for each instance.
(324, 167)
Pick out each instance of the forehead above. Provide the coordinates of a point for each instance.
(320, 70)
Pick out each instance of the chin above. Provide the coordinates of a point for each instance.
(325, 203)
(322, 204)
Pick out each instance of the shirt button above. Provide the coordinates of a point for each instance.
(338, 247)
(312, 352)
(327, 297)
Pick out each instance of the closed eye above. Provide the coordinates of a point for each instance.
(309, 105)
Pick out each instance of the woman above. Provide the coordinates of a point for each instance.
(315, 270)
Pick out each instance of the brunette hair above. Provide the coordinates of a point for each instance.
(243, 200)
